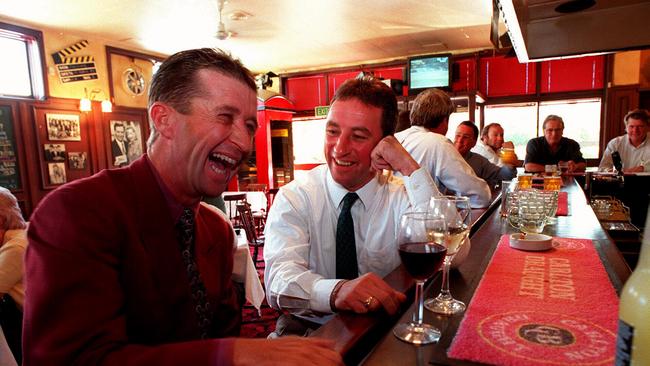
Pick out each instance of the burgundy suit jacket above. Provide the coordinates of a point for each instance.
(106, 284)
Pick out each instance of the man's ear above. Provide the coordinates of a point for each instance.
(162, 116)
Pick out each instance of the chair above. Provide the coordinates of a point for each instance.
(248, 224)
(232, 201)
(270, 196)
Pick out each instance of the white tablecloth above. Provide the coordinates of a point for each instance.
(256, 199)
(243, 270)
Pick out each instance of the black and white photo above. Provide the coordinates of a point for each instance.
(63, 127)
(54, 152)
(57, 173)
(77, 160)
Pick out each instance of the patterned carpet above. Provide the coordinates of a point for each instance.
(254, 325)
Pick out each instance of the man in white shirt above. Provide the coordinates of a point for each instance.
(465, 138)
(490, 143)
(634, 148)
(303, 263)
(425, 140)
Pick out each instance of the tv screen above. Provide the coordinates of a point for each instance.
(429, 72)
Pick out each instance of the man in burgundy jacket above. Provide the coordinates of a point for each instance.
(111, 279)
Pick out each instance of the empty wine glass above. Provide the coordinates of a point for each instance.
(421, 249)
(456, 211)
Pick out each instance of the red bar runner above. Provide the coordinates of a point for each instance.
(562, 204)
(541, 308)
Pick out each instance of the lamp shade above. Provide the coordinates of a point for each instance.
(84, 105)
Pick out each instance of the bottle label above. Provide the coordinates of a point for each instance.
(624, 343)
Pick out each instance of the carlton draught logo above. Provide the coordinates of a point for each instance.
(548, 338)
(569, 245)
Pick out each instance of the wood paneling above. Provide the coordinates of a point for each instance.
(620, 100)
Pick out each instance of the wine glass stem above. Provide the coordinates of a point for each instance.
(419, 295)
(444, 291)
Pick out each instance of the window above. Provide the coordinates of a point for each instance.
(519, 122)
(581, 122)
(21, 68)
(523, 121)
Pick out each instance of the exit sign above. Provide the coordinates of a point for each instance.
(321, 111)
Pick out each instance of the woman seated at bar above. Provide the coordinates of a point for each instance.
(12, 249)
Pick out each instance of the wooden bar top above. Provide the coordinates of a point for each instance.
(369, 340)
(356, 334)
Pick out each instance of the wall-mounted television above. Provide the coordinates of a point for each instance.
(432, 71)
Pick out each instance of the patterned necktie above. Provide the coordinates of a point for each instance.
(346, 249)
(199, 294)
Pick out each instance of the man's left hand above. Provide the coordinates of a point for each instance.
(390, 154)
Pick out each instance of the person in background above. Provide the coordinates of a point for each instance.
(553, 148)
(490, 143)
(465, 138)
(127, 267)
(331, 237)
(119, 145)
(425, 140)
(633, 148)
(13, 241)
(133, 145)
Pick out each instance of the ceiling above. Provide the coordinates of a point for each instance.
(539, 31)
(279, 35)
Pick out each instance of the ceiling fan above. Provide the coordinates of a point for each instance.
(222, 33)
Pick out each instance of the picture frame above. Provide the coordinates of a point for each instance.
(126, 141)
(129, 76)
(57, 173)
(63, 127)
(77, 160)
(54, 152)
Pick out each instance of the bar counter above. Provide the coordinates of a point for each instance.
(368, 339)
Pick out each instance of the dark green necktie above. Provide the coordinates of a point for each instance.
(199, 294)
(346, 249)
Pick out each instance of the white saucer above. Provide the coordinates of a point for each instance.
(531, 242)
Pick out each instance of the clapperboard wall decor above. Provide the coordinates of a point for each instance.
(74, 68)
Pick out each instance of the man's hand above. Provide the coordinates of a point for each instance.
(390, 154)
(285, 351)
(368, 293)
(636, 169)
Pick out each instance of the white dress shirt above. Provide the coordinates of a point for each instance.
(300, 232)
(434, 152)
(630, 156)
(482, 149)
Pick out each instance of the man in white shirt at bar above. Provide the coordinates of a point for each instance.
(634, 147)
(490, 143)
(305, 267)
(425, 140)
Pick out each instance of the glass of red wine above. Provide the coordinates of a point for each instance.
(422, 251)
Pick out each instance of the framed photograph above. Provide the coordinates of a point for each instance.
(126, 141)
(54, 152)
(77, 160)
(57, 173)
(63, 127)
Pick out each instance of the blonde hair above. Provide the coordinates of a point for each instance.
(10, 215)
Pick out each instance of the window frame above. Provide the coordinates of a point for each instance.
(550, 97)
(35, 59)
